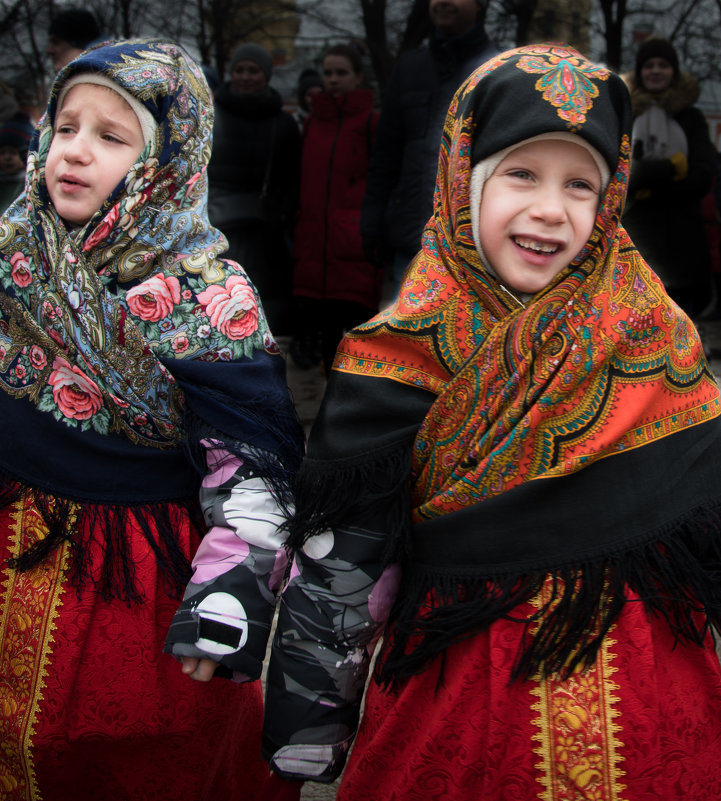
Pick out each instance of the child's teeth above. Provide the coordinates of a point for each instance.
(531, 244)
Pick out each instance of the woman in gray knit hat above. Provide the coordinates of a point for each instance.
(253, 177)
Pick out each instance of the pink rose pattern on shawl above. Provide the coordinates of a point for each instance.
(232, 308)
(74, 393)
(20, 273)
(155, 298)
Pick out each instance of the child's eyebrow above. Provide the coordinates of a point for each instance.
(105, 119)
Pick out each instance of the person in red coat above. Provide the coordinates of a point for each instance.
(336, 288)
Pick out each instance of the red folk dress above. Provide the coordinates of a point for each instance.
(639, 725)
(88, 699)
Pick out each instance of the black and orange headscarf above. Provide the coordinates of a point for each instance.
(573, 438)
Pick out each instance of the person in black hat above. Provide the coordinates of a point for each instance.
(71, 31)
(15, 135)
(673, 166)
(310, 82)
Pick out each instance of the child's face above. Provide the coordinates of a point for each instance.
(537, 211)
(96, 140)
(10, 160)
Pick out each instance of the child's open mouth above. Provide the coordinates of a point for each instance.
(535, 246)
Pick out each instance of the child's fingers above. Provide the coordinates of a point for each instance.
(190, 663)
(199, 669)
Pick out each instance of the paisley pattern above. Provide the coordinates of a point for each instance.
(87, 315)
(598, 362)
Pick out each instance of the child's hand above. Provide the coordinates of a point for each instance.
(198, 669)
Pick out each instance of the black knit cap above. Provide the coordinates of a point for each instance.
(76, 26)
(656, 47)
(17, 132)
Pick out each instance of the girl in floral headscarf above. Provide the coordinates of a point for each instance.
(522, 452)
(137, 376)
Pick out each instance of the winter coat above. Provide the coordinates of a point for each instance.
(329, 260)
(402, 175)
(663, 213)
(255, 142)
(253, 178)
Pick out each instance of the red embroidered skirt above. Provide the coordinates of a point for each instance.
(90, 707)
(643, 724)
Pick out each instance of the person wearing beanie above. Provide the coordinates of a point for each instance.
(673, 167)
(15, 135)
(511, 489)
(253, 178)
(310, 82)
(147, 427)
(71, 31)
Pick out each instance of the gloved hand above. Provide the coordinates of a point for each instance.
(680, 166)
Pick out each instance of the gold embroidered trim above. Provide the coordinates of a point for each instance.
(577, 737)
(31, 602)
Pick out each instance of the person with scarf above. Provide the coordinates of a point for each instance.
(253, 176)
(673, 169)
(513, 479)
(144, 407)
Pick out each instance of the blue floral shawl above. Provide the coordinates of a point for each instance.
(126, 343)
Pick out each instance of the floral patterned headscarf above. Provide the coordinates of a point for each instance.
(88, 316)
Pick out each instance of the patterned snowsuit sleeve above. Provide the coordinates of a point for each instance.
(227, 611)
(332, 612)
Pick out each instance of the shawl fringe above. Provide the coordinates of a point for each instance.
(677, 576)
(278, 468)
(90, 526)
(361, 491)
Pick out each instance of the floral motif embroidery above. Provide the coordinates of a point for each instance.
(31, 601)
(565, 82)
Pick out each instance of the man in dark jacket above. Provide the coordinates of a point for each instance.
(402, 174)
(71, 31)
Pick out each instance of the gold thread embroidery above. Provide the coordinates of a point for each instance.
(31, 602)
(577, 734)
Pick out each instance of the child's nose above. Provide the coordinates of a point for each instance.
(77, 149)
(549, 206)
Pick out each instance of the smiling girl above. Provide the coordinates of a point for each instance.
(513, 479)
